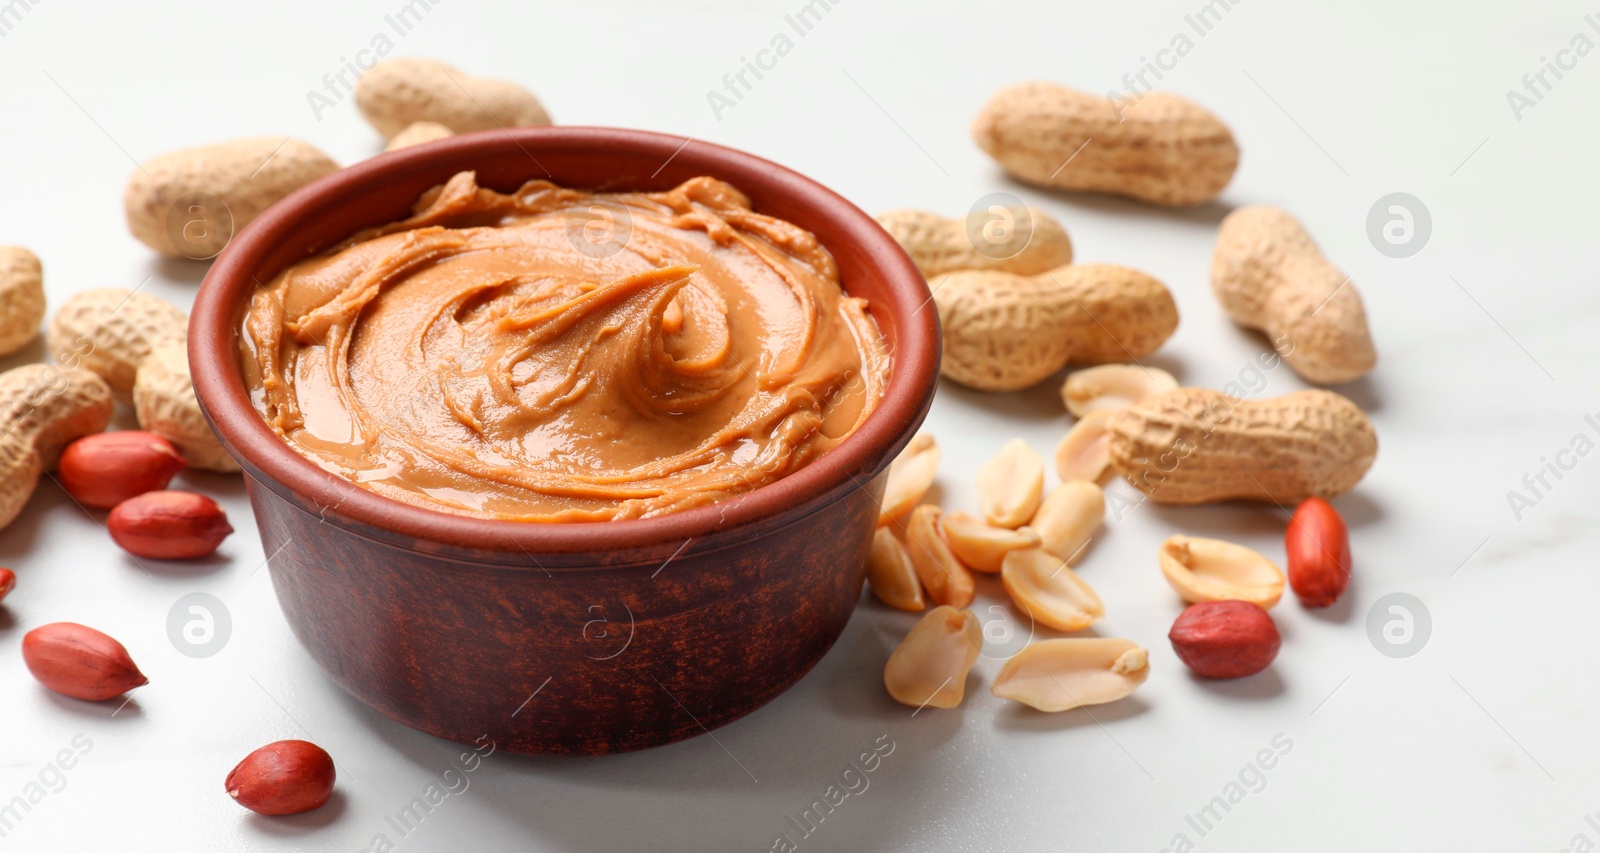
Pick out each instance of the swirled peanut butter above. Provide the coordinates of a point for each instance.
(557, 355)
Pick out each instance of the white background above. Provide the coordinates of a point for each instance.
(1483, 740)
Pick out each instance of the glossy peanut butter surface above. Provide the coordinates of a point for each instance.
(559, 355)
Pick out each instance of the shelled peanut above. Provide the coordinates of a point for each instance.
(1059, 675)
(1318, 549)
(102, 470)
(78, 661)
(1213, 570)
(1225, 639)
(168, 525)
(1026, 536)
(281, 778)
(930, 666)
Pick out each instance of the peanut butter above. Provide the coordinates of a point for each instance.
(487, 356)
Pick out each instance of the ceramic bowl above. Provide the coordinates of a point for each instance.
(565, 638)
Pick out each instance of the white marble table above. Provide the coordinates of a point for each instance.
(1483, 739)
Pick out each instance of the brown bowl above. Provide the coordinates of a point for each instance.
(565, 638)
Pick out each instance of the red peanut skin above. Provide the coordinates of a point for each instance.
(1225, 639)
(284, 777)
(168, 525)
(107, 468)
(1318, 546)
(78, 661)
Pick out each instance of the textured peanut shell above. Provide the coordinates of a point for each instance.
(111, 331)
(1162, 149)
(939, 244)
(399, 92)
(43, 407)
(1269, 275)
(1195, 445)
(417, 133)
(1004, 332)
(21, 298)
(246, 175)
(164, 401)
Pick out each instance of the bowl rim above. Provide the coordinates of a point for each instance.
(225, 402)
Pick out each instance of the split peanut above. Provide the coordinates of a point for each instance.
(1085, 451)
(930, 666)
(910, 477)
(1011, 484)
(1068, 518)
(1214, 570)
(890, 574)
(944, 577)
(1058, 675)
(1113, 387)
(417, 133)
(980, 545)
(1046, 589)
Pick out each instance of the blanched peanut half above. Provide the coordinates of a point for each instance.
(910, 477)
(1051, 593)
(1113, 387)
(943, 576)
(1068, 518)
(1058, 675)
(891, 575)
(1214, 570)
(930, 665)
(980, 545)
(1010, 485)
(1085, 452)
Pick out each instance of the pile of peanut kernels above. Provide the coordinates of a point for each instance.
(1015, 310)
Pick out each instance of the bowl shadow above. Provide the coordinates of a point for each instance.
(736, 787)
